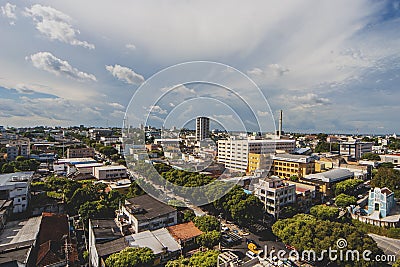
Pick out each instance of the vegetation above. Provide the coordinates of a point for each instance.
(132, 257)
(323, 212)
(369, 228)
(289, 211)
(371, 156)
(188, 215)
(209, 239)
(21, 164)
(324, 146)
(344, 200)
(347, 187)
(240, 207)
(387, 177)
(207, 223)
(305, 232)
(208, 258)
(294, 178)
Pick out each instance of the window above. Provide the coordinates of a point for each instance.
(376, 206)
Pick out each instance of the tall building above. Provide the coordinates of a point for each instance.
(202, 128)
(235, 153)
(274, 194)
(18, 147)
(355, 149)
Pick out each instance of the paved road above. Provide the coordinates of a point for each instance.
(390, 246)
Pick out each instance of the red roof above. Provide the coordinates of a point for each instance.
(53, 227)
(48, 254)
(184, 231)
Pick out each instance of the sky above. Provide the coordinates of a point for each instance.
(331, 66)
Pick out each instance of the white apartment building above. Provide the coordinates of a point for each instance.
(235, 153)
(18, 147)
(274, 193)
(15, 187)
(110, 172)
(355, 149)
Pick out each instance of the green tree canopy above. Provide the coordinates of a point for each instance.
(208, 258)
(324, 212)
(209, 239)
(344, 200)
(132, 257)
(347, 187)
(207, 223)
(371, 156)
(387, 177)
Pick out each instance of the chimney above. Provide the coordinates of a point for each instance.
(280, 123)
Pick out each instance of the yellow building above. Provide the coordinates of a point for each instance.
(257, 162)
(286, 165)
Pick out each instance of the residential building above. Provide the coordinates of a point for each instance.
(287, 165)
(84, 152)
(105, 239)
(96, 133)
(110, 172)
(274, 193)
(146, 213)
(392, 158)
(5, 210)
(235, 153)
(355, 149)
(202, 128)
(18, 147)
(326, 180)
(185, 234)
(306, 195)
(258, 162)
(60, 166)
(16, 187)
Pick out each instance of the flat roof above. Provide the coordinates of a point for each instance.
(105, 229)
(88, 165)
(75, 160)
(16, 177)
(331, 175)
(152, 207)
(111, 167)
(20, 231)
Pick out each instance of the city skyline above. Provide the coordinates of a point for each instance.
(82, 65)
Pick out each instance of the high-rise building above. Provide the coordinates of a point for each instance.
(18, 147)
(202, 128)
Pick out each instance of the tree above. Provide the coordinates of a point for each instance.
(7, 168)
(209, 239)
(324, 212)
(344, 200)
(208, 258)
(305, 232)
(371, 156)
(207, 223)
(20, 158)
(388, 165)
(132, 257)
(188, 215)
(387, 177)
(289, 211)
(294, 178)
(108, 150)
(347, 187)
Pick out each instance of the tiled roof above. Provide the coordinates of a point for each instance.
(184, 231)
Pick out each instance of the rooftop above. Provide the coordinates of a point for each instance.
(184, 231)
(105, 229)
(152, 208)
(16, 232)
(330, 176)
(111, 167)
(16, 177)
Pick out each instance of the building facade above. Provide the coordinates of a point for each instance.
(355, 149)
(110, 172)
(18, 147)
(235, 153)
(202, 128)
(287, 165)
(381, 200)
(16, 187)
(85, 152)
(274, 193)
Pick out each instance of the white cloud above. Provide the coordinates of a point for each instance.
(116, 105)
(131, 46)
(8, 11)
(125, 74)
(55, 25)
(262, 113)
(157, 109)
(48, 62)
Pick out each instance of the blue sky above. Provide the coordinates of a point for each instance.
(332, 66)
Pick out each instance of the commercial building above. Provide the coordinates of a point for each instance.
(85, 152)
(110, 172)
(326, 180)
(235, 153)
(60, 166)
(18, 147)
(146, 213)
(355, 149)
(287, 165)
(258, 162)
(274, 193)
(392, 158)
(16, 187)
(202, 128)
(96, 133)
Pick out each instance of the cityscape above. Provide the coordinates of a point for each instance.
(199, 134)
